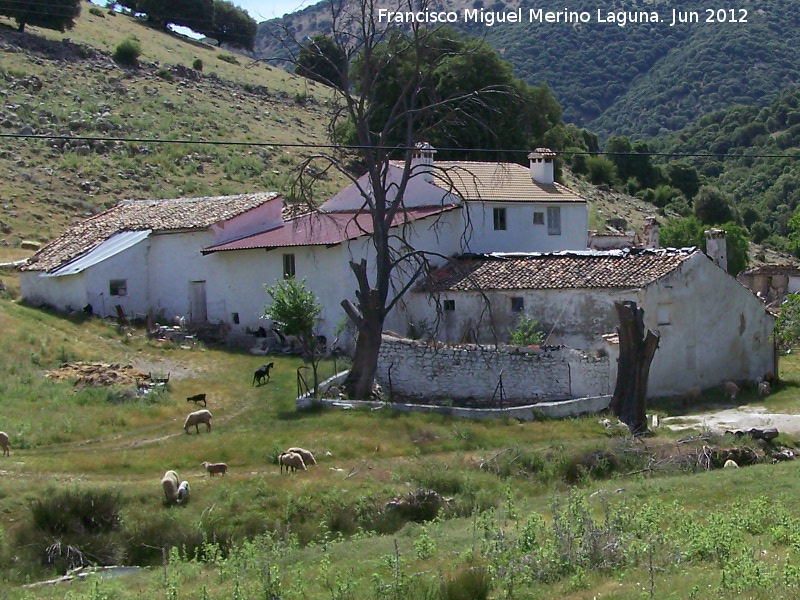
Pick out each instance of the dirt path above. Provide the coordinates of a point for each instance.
(731, 419)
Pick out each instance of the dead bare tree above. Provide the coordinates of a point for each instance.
(637, 346)
(376, 131)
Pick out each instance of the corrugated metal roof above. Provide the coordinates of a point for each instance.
(155, 215)
(563, 270)
(323, 229)
(113, 245)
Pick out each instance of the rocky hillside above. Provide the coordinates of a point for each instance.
(97, 124)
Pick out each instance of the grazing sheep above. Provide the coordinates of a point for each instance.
(261, 373)
(197, 399)
(214, 468)
(291, 460)
(197, 417)
(763, 388)
(183, 492)
(731, 389)
(169, 483)
(308, 458)
(4, 443)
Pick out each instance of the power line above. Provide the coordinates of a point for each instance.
(302, 145)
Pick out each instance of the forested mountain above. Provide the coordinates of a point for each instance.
(757, 161)
(640, 80)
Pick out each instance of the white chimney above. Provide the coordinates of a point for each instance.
(422, 161)
(650, 233)
(716, 248)
(542, 165)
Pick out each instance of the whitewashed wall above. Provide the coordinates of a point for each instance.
(521, 235)
(473, 372)
(718, 330)
(64, 293)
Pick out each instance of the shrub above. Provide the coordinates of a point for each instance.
(601, 170)
(149, 539)
(469, 583)
(526, 332)
(164, 74)
(97, 12)
(197, 65)
(228, 58)
(128, 52)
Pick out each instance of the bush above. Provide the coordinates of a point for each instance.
(197, 65)
(468, 583)
(228, 58)
(148, 540)
(128, 52)
(601, 170)
(526, 332)
(164, 74)
(97, 12)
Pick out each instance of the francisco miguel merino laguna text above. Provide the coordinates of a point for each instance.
(538, 15)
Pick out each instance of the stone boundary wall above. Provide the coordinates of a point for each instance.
(541, 410)
(421, 371)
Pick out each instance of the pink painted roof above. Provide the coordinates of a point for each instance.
(323, 229)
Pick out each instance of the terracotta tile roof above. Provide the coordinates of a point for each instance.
(158, 215)
(786, 269)
(498, 182)
(563, 270)
(315, 229)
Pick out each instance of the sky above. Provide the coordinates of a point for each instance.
(261, 10)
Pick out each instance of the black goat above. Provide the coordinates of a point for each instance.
(261, 373)
(197, 399)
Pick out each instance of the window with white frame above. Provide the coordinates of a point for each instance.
(288, 266)
(499, 219)
(553, 220)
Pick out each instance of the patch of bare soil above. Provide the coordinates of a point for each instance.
(98, 374)
(741, 418)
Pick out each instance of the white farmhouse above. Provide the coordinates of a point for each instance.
(209, 258)
(712, 328)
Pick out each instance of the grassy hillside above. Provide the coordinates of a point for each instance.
(551, 509)
(67, 85)
(641, 80)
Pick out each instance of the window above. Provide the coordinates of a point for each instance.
(553, 220)
(449, 305)
(538, 218)
(235, 318)
(517, 304)
(499, 219)
(663, 314)
(118, 287)
(288, 266)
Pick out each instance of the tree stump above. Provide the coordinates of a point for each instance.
(637, 346)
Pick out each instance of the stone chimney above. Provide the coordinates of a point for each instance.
(422, 161)
(716, 248)
(542, 165)
(650, 233)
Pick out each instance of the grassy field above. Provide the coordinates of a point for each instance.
(554, 509)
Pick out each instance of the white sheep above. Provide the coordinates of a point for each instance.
(731, 389)
(183, 492)
(197, 417)
(730, 464)
(170, 483)
(291, 460)
(308, 458)
(4, 443)
(214, 468)
(763, 388)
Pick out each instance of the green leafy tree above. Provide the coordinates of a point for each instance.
(231, 25)
(321, 59)
(680, 233)
(59, 15)
(684, 177)
(787, 327)
(194, 14)
(527, 332)
(601, 170)
(713, 206)
(495, 110)
(294, 310)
